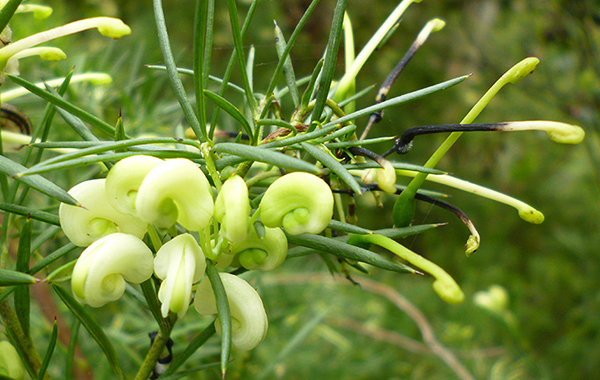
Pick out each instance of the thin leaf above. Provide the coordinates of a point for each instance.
(348, 144)
(22, 293)
(200, 23)
(399, 100)
(231, 63)
(60, 102)
(69, 247)
(49, 351)
(76, 124)
(334, 165)
(340, 249)
(8, 10)
(41, 184)
(311, 85)
(232, 110)
(330, 61)
(71, 350)
(288, 68)
(350, 228)
(224, 313)
(11, 277)
(42, 216)
(238, 43)
(396, 165)
(216, 79)
(92, 327)
(268, 156)
(176, 84)
(83, 161)
(191, 348)
(301, 137)
(289, 46)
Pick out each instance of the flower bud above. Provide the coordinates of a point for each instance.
(97, 218)
(386, 177)
(264, 254)
(102, 269)
(495, 299)
(299, 202)
(176, 191)
(179, 263)
(232, 209)
(248, 315)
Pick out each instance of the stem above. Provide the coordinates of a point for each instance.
(157, 348)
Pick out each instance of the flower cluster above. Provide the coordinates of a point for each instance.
(142, 194)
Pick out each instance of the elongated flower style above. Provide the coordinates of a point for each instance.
(176, 191)
(248, 315)
(298, 202)
(263, 254)
(102, 269)
(232, 209)
(107, 26)
(97, 218)
(179, 263)
(124, 180)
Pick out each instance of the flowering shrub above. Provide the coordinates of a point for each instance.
(176, 221)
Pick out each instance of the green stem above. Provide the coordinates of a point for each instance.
(149, 363)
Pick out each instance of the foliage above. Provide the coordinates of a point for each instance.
(544, 268)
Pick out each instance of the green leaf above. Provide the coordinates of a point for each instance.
(92, 327)
(11, 277)
(330, 60)
(238, 43)
(176, 84)
(334, 165)
(311, 86)
(22, 294)
(341, 249)
(345, 227)
(60, 102)
(224, 313)
(42, 216)
(289, 46)
(7, 12)
(49, 351)
(268, 156)
(288, 68)
(69, 247)
(398, 100)
(232, 110)
(41, 184)
(71, 349)
(200, 64)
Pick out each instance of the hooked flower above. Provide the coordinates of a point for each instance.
(102, 269)
(248, 314)
(175, 191)
(299, 202)
(97, 218)
(232, 209)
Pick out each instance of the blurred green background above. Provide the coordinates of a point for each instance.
(550, 271)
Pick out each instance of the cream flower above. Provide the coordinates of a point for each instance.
(102, 269)
(248, 315)
(97, 218)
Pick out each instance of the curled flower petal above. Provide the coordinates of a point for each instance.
(179, 263)
(102, 269)
(124, 179)
(232, 209)
(248, 315)
(176, 191)
(264, 254)
(98, 218)
(299, 202)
